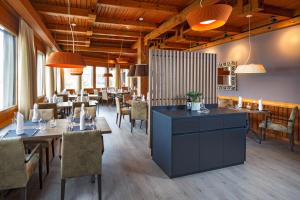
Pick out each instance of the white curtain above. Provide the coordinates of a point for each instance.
(49, 77)
(26, 65)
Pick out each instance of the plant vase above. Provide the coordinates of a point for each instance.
(196, 106)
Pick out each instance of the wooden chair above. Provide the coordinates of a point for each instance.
(81, 156)
(280, 125)
(139, 111)
(16, 167)
(106, 97)
(45, 114)
(122, 110)
(63, 96)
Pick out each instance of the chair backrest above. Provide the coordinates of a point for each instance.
(139, 110)
(64, 97)
(90, 111)
(49, 106)
(125, 88)
(104, 95)
(291, 121)
(225, 103)
(12, 167)
(78, 104)
(118, 105)
(45, 114)
(81, 153)
(126, 97)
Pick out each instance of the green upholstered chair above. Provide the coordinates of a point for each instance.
(280, 125)
(106, 97)
(122, 110)
(16, 167)
(139, 111)
(45, 114)
(225, 103)
(49, 106)
(91, 111)
(81, 156)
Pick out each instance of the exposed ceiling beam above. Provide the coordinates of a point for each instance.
(139, 5)
(269, 9)
(111, 32)
(110, 50)
(75, 44)
(101, 62)
(265, 29)
(126, 23)
(29, 14)
(113, 38)
(177, 19)
(168, 45)
(66, 29)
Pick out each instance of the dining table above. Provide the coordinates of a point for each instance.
(48, 131)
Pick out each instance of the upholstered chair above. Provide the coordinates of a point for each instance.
(63, 96)
(46, 114)
(105, 97)
(225, 103)
(16, 167)
(280, 125)
(90, 111)
(49, 106)
(81, 156)
(139, 111)
(78, 105)
(121, 111)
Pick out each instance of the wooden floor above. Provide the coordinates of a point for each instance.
(270, 172)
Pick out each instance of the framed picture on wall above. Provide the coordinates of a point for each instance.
(226, 77)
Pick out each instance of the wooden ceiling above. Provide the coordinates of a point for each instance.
(103, 26)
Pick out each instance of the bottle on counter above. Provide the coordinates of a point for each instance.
(188, 104)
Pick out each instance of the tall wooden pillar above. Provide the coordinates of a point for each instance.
(94, 76)
(142, 58)
(107, 78)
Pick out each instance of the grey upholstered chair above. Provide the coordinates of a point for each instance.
(280, 125)
(49, 106)
(106, 97)
(225, 103)
(78, 104)
(16, 167)
(121, 111)
(45, 114)
(91, 111)
(139, 111)
(81, 156)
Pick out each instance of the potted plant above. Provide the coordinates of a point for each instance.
(196, 98)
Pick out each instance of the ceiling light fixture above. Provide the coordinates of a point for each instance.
(66, 59)
(209, 17)
(250, 68)
(121, 60)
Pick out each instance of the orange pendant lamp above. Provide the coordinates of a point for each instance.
(209, 17)
(65, 60)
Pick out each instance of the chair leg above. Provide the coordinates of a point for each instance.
(24, 193)
(41, 168)
(99, 187)
(146, 126)
(47, 159)
(141, 123)
(291, 141)
(261, 135)
(52, 145)
(60, 142)
(120, 120)
(62, 189)
(131, 125)
(117, 118)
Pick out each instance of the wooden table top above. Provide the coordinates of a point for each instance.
(61, 126)
(70, 104)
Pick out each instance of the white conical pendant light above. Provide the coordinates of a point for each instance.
(250, 68)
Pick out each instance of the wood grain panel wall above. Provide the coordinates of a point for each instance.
(174, 73)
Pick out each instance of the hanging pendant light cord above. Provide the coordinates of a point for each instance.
(121, 49)
(201, 3)
(71, 28)
(249, 40)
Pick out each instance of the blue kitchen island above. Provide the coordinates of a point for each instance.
(186, 142)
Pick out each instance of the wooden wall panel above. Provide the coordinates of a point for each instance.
(7, 115)
(174, 73)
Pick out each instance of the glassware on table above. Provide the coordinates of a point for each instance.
(42, 124)
(52, 123)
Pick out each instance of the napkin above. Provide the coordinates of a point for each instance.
(20, 124)
(260, 105)
(81, 95)
(54, 98)
(35, 116)
(143, 98)
(82, 118)
(240, 102)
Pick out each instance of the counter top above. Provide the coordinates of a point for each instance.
(181, 112)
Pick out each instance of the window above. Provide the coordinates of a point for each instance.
(7, 69)
(70, 81)
(100, 80)
(40, 74)
(124, 78)
(58, 80)
(112, 82)
(87, 77)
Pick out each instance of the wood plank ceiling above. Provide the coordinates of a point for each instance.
(103, 26)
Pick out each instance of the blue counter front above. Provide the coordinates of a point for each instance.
(186, 142)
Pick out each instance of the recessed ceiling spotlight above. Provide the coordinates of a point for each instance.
(73, 24)
(141, 19)
(249, 15)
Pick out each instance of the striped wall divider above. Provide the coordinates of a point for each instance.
(172, 74)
